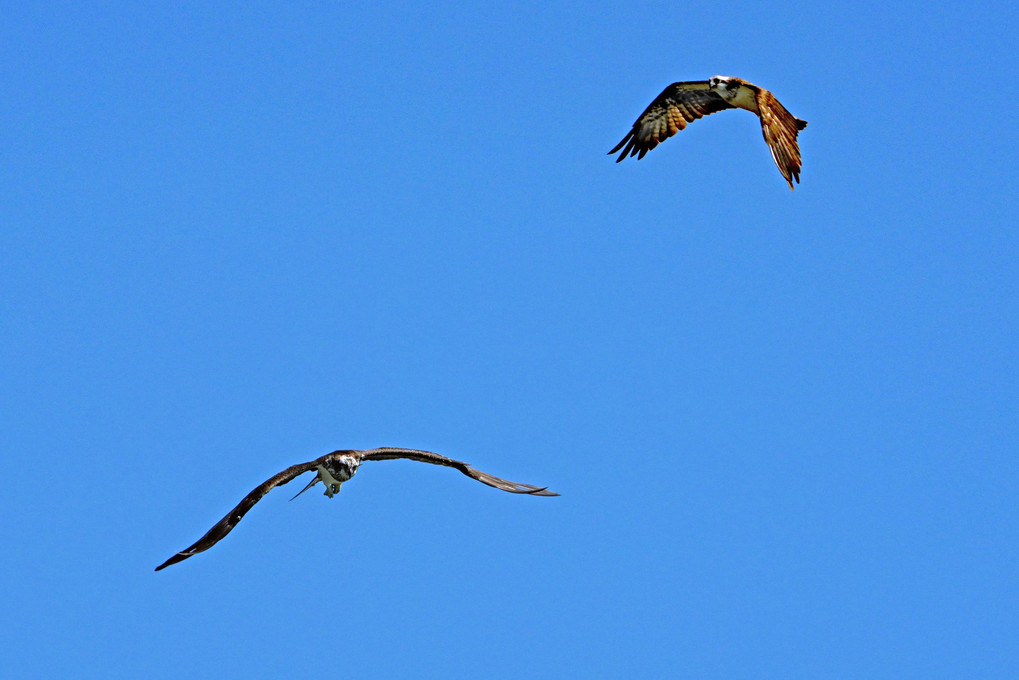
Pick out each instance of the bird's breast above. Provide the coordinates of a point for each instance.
(745, 98)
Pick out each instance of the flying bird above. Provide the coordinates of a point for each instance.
(682, 103)
(334, 469)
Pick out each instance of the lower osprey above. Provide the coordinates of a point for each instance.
(334, 469)
(682, 103)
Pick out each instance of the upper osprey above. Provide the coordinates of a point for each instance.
(683, 103)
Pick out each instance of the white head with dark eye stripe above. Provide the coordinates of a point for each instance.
(343, 468)
(725, 86)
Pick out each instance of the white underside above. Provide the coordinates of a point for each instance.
(332, 484)
(745, 99)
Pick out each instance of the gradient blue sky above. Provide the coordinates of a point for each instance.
(784, 424)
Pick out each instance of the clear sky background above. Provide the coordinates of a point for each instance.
(784, 425)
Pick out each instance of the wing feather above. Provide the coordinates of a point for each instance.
(391, 453)
(780, 129)
(678, 105)
(225, 525)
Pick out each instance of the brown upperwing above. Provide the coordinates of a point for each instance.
(225, 525)
(390, 453)
(677, 105)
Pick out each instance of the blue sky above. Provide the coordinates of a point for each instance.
(784, 425)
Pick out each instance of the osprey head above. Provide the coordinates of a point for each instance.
(341, 468)
(726, 86)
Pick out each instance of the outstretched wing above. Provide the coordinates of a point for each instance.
(780, 130)
(677, 105)
(389, 453)
(225, 525)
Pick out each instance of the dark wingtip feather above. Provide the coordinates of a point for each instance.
(627, 145)
(532, 490)
(800, 124)
(179, 557)
(619, 146)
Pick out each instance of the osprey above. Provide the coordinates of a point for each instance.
(683, 103)
(334, 469)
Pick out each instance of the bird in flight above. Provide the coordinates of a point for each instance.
(682, 103)
(332, 470)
